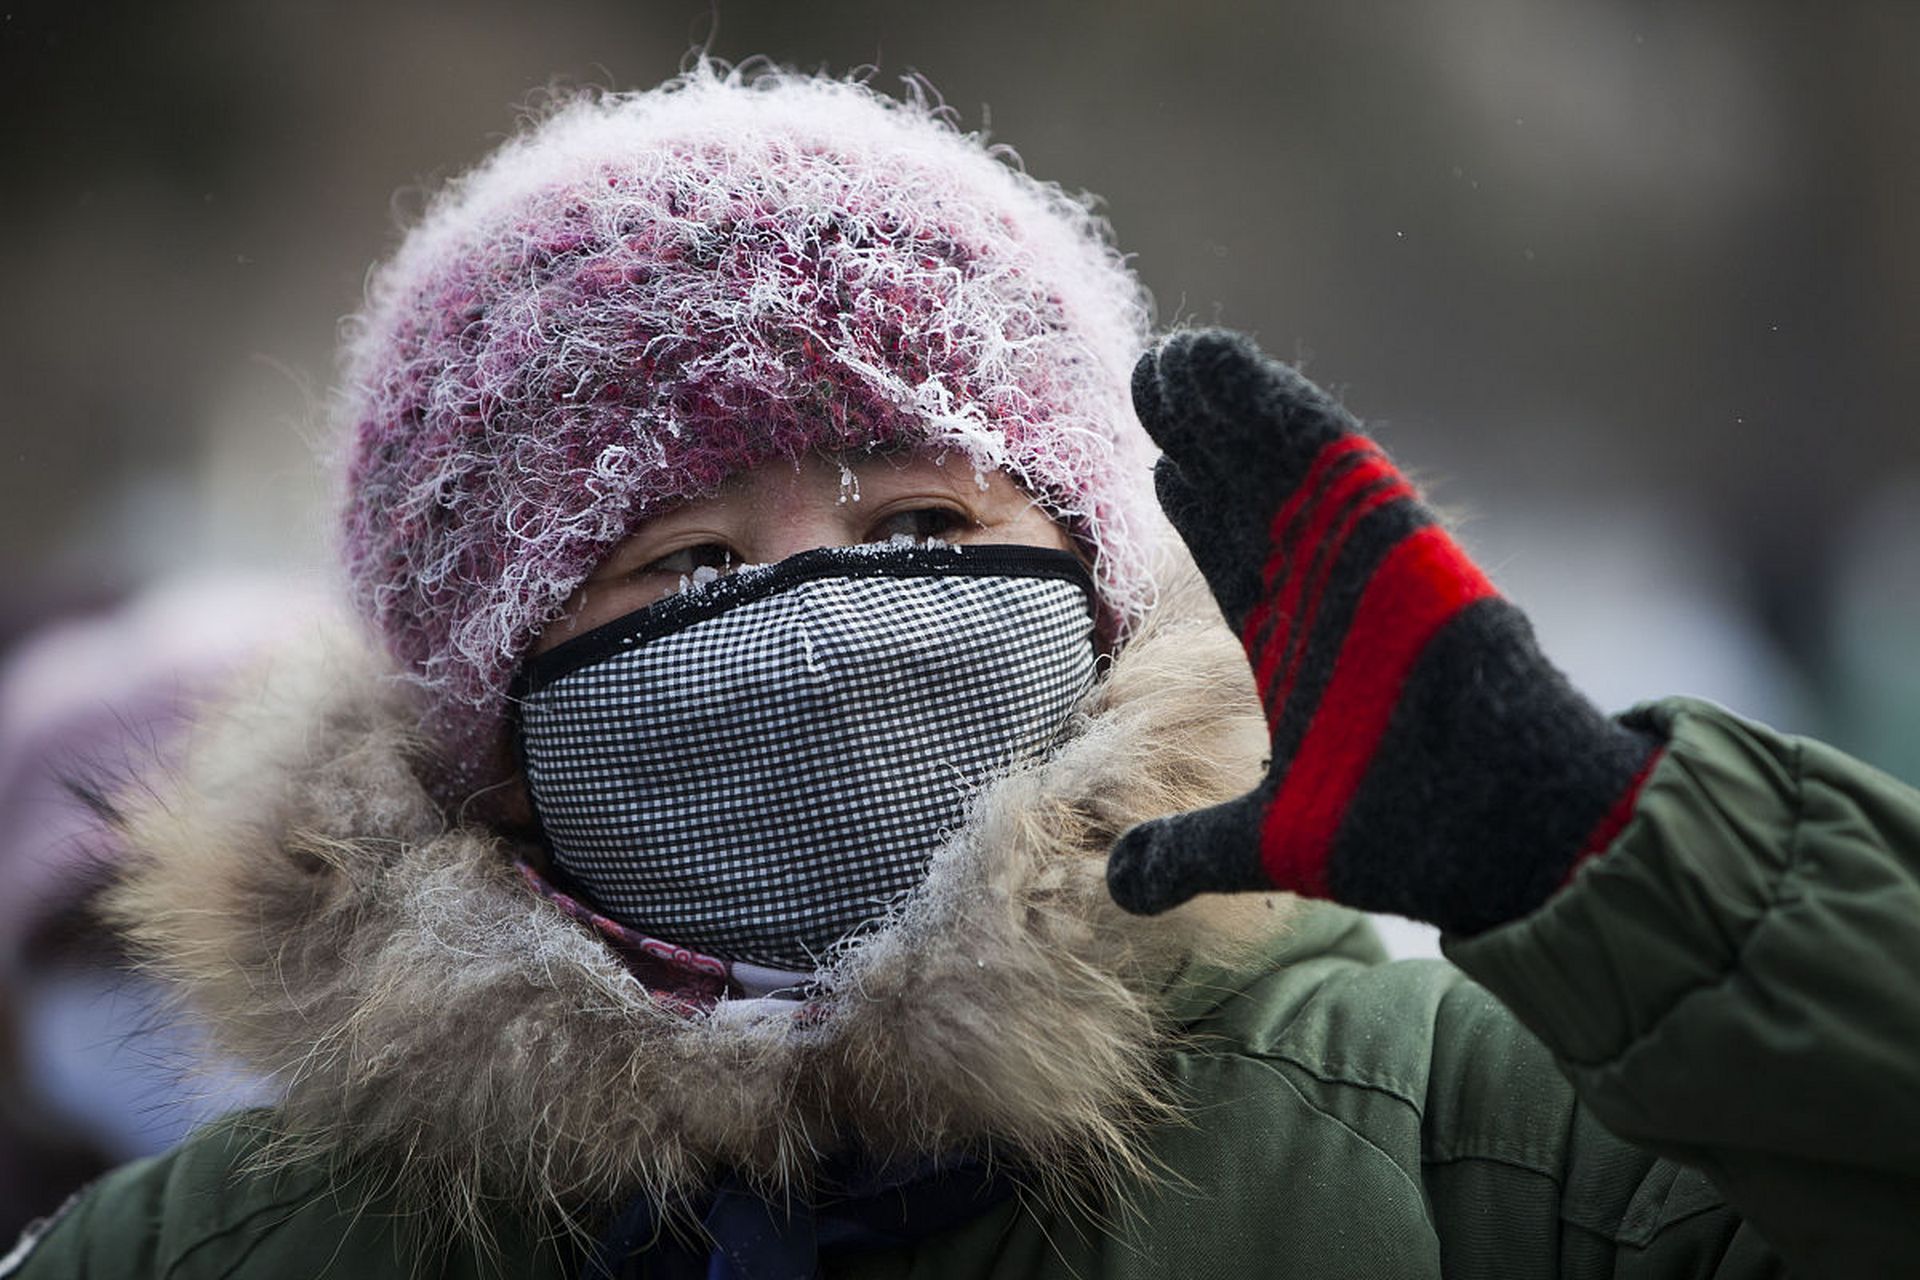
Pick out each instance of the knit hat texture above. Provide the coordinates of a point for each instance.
(642, 294)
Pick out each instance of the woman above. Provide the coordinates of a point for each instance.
(669, 916)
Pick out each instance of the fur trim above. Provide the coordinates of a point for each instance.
(397, 978)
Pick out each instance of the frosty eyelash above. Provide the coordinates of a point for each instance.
(925, 522)
(690, 559)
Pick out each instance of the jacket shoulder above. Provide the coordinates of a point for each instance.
(214, 1207)
(187, 1212)
(1411, 1089)
(1413, 1055)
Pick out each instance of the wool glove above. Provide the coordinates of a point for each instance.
(1426, 759)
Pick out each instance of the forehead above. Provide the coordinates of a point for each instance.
(854, 476)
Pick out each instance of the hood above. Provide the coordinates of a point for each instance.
(386, 965)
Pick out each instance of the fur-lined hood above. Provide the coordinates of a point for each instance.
(387, 967)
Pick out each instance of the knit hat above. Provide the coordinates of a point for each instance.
(643, 294)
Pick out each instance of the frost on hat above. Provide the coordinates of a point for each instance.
(645, 293)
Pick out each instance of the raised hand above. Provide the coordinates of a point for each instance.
(1426, 759)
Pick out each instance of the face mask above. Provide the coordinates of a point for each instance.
(759, 768)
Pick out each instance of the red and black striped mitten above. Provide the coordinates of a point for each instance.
(1427, 760)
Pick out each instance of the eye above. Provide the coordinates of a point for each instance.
(688, 560)
(920, 524)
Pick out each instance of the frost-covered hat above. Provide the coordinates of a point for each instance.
(645, 293)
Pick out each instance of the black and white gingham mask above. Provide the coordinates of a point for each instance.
(757, 769)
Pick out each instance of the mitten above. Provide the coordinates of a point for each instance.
(1427, 760)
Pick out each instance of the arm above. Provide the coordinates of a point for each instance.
(1736, 985)
(1716, 932)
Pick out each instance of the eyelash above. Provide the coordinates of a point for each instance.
(926, 522)
(703, 555)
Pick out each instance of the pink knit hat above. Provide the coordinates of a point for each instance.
(645, 293)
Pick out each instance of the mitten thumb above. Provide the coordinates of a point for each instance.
(1159, 864)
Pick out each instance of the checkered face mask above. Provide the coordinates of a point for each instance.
(759, 768)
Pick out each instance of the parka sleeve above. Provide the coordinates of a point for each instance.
(1735, 984)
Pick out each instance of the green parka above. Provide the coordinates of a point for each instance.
(1701, 1058)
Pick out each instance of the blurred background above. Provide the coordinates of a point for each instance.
(1635, 287)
